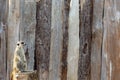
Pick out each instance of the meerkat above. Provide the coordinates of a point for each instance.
(19, 60)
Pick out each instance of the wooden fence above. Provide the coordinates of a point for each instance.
(66, 39)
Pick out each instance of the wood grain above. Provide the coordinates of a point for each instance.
(97, 38)
(73, 41)
(2, 53)
(13, 32)
(86, 15)
(56, 40)
(27, 29)
(43, 37)
(111, 40)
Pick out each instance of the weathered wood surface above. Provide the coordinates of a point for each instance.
(2, 53)
(43, 36)
(56, 40)
(65, 40)
(85, 40)
(29, 75)
(13, 32)
(3, 30)
(97, 38)
(21, 26)
(111, 40)
(27, 29)
(97, 42)
(73, 41)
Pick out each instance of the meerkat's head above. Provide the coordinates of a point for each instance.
(20, 43)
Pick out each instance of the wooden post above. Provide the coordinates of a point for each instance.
(3, 31)
(13, 32)
(73, 41)
(56, 40)
(27, 29)
(85, 40)
(111, 41)
(97, 36)
(29, 75)
(2, 53)
(43, 36)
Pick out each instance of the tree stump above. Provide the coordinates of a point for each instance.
(27, 75)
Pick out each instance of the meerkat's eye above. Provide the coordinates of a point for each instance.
(22, 43)
(18, 44)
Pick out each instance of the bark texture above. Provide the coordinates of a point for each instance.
(56, 39)
(97, 40)
(43, 38)
(3, 39)
(86, 12)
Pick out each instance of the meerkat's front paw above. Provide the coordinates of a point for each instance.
(16, 75)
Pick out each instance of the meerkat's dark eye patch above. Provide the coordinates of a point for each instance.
(22, 43)
(17, 44)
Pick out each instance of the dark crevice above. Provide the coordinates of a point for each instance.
(86, 19)
(0, 42)
(42, 37)
(85, 48)
(27, 55)
(65, 40)
(102, 36)
(35, 52)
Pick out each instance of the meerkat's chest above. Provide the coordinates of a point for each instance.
(20, 53)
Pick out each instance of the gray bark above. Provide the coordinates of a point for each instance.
(43, 36)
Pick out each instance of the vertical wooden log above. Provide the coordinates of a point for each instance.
(56, 40)
(42, 42)
(27, 29)
(13, 32)
(2, 53)
(3, 30)
(65, 40)
(73, 41)
(97, 38)
(85, 40)
(111, 40)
